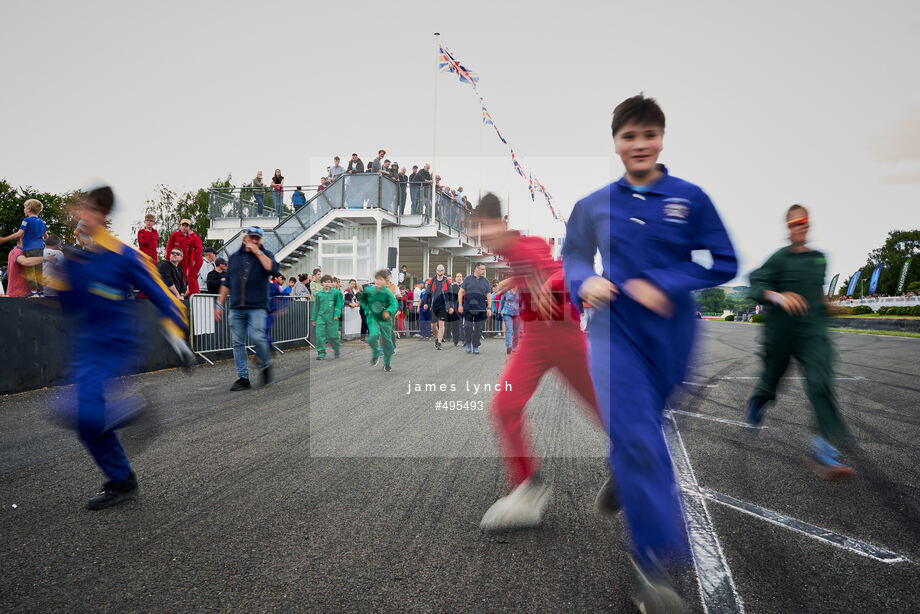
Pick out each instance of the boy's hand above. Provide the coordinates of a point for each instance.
(598, 291)
(649, 296)
(794, 304)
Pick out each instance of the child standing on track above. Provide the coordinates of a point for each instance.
(552, 339)
(645, 226)
(790, 284)
(380, 305)
(327, 305)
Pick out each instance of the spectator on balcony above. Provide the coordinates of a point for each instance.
(336, 169)
(258, 193)
(385, 167)
(403, 186)
(413, 190)
(207, 265)
(424, 182)
(148, 238)
(216, 277)
(355, 165)
(298, 199)
(278, 192)
(190, 245)
(394, 171)
(172, 274)
(377, 163)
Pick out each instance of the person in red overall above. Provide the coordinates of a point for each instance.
(147, 238)
(552, 339)
(192, 255)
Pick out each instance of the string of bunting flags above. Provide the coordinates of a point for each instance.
(449, 63)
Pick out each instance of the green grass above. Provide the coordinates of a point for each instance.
(875, 315)
(886, 333)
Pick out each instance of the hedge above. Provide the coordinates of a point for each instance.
(758, 317)
(730, 317)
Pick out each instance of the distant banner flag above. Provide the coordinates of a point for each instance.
(833, 285)
(903, 277)
(853, 281)
(517, 165)
(873, 282)
(449, 63)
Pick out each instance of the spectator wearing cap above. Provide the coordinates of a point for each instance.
(216, 277)
(190, 245)
(336, 169)
(413, 190)
(148, 238)
(246, 283)
(207, 265)
(355, 165)
(377, 163)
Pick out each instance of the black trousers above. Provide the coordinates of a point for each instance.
(473, 324)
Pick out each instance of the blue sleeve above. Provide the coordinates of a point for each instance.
(709, 234)
(578, 250)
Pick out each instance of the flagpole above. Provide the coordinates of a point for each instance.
(434, 132)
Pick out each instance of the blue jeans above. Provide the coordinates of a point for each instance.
(512, 330)
(251, 321)
(278, 195)
(260, 201)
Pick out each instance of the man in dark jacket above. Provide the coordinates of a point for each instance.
(424, 179)
(355, 165)
(172, 274)
(439, 302)
(216, 277)
(414, 191)
(246, 281)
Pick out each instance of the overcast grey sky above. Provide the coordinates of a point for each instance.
(767, 105)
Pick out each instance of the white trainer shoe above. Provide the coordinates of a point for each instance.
(522, 508)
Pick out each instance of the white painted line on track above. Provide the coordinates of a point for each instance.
(717, 588)
(700, 385)
(714, 419)
(825, 535)
(858, 378)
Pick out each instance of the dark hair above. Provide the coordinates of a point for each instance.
(489, 207)
(302, 277)
(53, 240)
(317, 270)
(353, 280)
(294, 279)
(382, 274)
(325, 278)
(639, 110)
(102, 199)
(795, 207)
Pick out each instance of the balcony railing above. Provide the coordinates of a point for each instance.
(356, 191)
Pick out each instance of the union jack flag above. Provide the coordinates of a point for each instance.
(532, 197)
(517, 165)
(486, 116)
(448, 63)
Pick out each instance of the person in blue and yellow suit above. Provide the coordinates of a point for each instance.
(646, 226)
(94, 291)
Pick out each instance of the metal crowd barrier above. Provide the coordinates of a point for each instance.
(291, 323)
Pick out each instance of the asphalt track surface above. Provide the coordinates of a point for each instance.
(334, 490)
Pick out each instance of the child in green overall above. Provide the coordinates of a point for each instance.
(327, 305)
(790, 284)
(379, 305)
